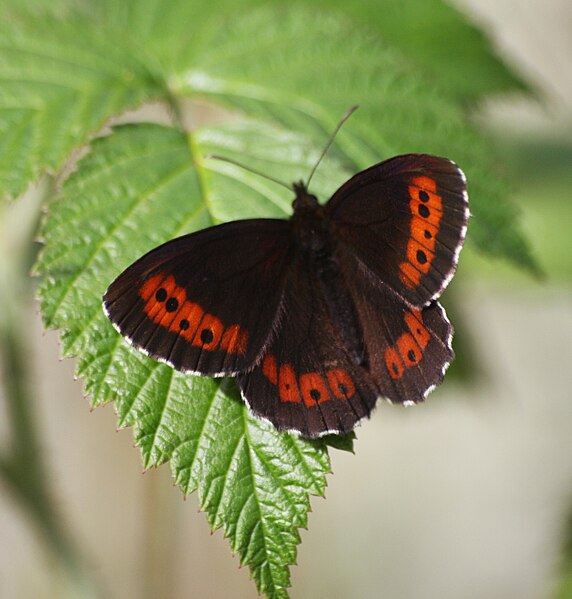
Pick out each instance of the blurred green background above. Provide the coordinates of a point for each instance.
(470, 493)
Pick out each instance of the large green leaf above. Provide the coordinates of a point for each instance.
(138, 187)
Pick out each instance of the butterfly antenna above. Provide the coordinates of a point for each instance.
(330, 141)
(250, 170)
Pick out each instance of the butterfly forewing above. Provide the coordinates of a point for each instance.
(405, 220)
(206, 302)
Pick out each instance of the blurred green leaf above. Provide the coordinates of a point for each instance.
(435, 35)
(432, 34)
(60, 82)
(563, 587)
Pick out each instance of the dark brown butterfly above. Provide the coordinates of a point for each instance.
(317, 316)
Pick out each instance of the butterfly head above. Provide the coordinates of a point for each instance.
(304, 202)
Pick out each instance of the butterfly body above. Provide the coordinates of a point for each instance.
(317, 316)
(315, 243)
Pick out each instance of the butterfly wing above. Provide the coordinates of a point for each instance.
(405, 220)
(206, 302)
(408, 349)
(307, 380)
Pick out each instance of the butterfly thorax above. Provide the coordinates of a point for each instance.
(308, 222)
(316, 246)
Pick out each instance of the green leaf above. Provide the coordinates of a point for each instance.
(443, 42)
(431, 33)
(138, 187)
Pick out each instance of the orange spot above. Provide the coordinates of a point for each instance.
(423, 232)
(242, 341)
(409, 350)
(341, 383)
(409, 275)
(426, 188)
(169, 285)
(419, 256)
(269, 369)
(203, 330)
(154, 309)
(425, 183)
(287, 384)
(234, 340)
(208, 333)
(314, 388)
(414, 322)
(394, 364)
(171, 318)
(150, 286)
(193, 314)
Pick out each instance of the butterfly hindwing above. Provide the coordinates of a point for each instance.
(307, 381)
(405, 220)
(408, 348)
(205, 302)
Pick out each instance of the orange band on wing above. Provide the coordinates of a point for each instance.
(188, 320)
(269, 369)
(209, 333)
(234, 340)
(341, 383)
(426, 212)
(408, 349)
(393, 363)
(288, 385)
(312, 387)
(166, 304)
(414, 322)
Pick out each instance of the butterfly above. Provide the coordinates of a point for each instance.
(317, 316)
